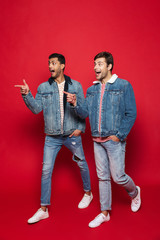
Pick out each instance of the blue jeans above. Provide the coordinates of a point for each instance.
(110, 161)
(51, 148)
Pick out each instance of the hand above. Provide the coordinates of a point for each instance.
(76, 133)
(24, 89)
(71, 98)
(113, 138)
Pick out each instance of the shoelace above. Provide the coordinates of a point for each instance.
(84, 198)
(36, 213)
(99, 216)
(136, 201)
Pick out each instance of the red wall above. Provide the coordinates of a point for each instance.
(30, 31)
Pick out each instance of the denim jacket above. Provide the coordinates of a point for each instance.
(118, 112)
(47, 99)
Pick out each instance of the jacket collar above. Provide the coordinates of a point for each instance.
(111, 80)
(67, 79)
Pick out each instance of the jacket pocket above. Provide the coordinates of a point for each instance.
(115, 96)
(46, 100)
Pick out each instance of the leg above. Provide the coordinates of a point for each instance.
(116, 154)
(74, 144)
(51, 149)
(103, 173)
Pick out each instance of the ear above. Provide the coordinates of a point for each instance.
(109, 67)
(62, 66)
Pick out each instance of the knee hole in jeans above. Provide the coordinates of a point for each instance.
(77, 158)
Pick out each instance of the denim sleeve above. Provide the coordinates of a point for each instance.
(34, 104)
(129, 115)
(82, 109)
(80, 101)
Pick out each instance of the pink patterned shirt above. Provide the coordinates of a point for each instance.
(111, 80)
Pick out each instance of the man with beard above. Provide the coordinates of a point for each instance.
(62, 127)
(110, 105)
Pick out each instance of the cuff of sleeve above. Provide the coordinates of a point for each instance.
(26, 95)
(72, 106)
(75, 108)
(121, 137)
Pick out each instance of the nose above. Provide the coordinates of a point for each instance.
(95, 68)
(50, 66)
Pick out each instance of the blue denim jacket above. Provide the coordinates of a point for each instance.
(47, 99)
(118, 111)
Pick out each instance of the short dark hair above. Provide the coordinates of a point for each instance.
(60, 57)
(108, 57)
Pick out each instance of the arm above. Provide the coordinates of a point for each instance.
(79, 103)
(82, 110)
(35, 105)
(77, 100)
(130, 113)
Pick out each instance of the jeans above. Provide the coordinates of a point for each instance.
(110, 161)
(51, 148)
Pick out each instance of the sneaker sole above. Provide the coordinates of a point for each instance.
(38, 220)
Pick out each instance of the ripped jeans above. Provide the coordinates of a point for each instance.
(51, 148)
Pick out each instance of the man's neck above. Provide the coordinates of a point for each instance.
(107, 78)
(59, 79)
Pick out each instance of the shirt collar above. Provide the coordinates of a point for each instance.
(111, 80)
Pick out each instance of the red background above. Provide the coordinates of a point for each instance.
(30, 31)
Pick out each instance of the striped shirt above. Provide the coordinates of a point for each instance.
(61, 89)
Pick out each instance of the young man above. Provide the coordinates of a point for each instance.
(62, 127)
(110, 105)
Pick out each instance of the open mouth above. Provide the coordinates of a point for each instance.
(98, 73)
(52, 70)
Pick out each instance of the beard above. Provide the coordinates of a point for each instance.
(57, 74)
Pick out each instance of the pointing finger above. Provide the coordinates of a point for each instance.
(71, 134)
(66, 92)
(20, 86)
(24, 81)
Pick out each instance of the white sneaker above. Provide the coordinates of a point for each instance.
(136, 202)
(98, 220)
(86, 200)
(39, 215)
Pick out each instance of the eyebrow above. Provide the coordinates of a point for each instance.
(52, 61)
(99, 62)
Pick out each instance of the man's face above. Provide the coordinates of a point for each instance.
(55, 67)
(101, 68)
